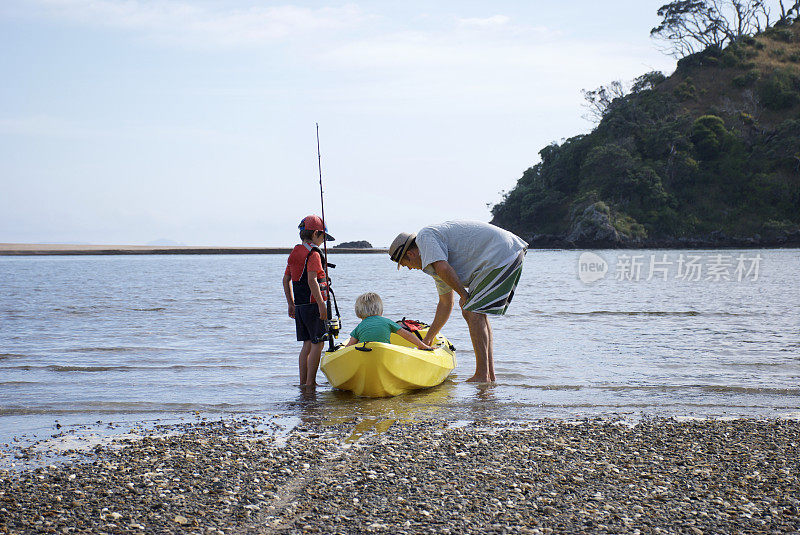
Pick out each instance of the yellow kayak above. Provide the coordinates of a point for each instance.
(377, 370)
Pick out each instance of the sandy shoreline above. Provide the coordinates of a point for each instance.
(27, 249)
(599, 476)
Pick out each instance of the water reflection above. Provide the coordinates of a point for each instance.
(450, 401)
(331, 407)
(366, 426)
(485, 392)
(334, 407)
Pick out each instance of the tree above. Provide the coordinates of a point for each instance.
(599, 100)
(788, 13)
(689, 26)
(709, 136)
(647, 81)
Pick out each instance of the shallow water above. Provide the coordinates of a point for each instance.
(136, 338)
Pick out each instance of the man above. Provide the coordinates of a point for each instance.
(478, 261)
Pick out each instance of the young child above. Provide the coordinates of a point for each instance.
(307, 295)
(376, 328)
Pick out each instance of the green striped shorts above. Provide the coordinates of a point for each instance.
(494, 289)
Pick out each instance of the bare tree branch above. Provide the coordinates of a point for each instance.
(788, 12)
(689, 26)
(599, 100)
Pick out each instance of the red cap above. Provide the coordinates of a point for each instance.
(314, 222)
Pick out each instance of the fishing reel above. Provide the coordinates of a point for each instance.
(333, 326)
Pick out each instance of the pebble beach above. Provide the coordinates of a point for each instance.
(587, 429)
(547, 476)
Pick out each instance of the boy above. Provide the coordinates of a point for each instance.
(307, 295)
(376, 328)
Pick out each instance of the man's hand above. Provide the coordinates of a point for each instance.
(428, 340)
(462, 301)
(291, 310)
(323, 311)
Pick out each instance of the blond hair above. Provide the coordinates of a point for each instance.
(369, 304)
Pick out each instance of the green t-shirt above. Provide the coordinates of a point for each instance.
(374, 329)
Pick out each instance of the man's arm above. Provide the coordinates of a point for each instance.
(443, 310)
(287, 290)
(446, 272)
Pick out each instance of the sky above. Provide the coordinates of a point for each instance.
(193, 121)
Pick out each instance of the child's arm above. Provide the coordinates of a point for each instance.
(351, 342)
(315, 291)
(411, 337)
(287, 290)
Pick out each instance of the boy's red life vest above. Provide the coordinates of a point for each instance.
(300, 287)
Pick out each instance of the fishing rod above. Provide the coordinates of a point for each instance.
(333, 326)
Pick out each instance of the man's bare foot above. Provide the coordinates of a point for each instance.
(480, 379)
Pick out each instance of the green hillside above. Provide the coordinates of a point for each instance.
(707, 156)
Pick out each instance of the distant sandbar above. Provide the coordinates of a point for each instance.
(34, 249)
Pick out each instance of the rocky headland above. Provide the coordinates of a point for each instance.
(708, 156)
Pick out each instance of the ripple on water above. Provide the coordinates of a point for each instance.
(199, 333)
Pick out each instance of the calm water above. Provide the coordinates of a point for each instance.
(143, 337)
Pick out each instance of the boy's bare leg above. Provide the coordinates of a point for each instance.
(314, 356)
(480, 331)
(303, 361)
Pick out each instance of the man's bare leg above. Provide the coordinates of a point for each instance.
(480, 331)
(491, 349)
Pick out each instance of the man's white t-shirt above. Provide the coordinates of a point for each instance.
(470, 247)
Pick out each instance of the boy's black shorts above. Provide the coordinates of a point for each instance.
(308, 323)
